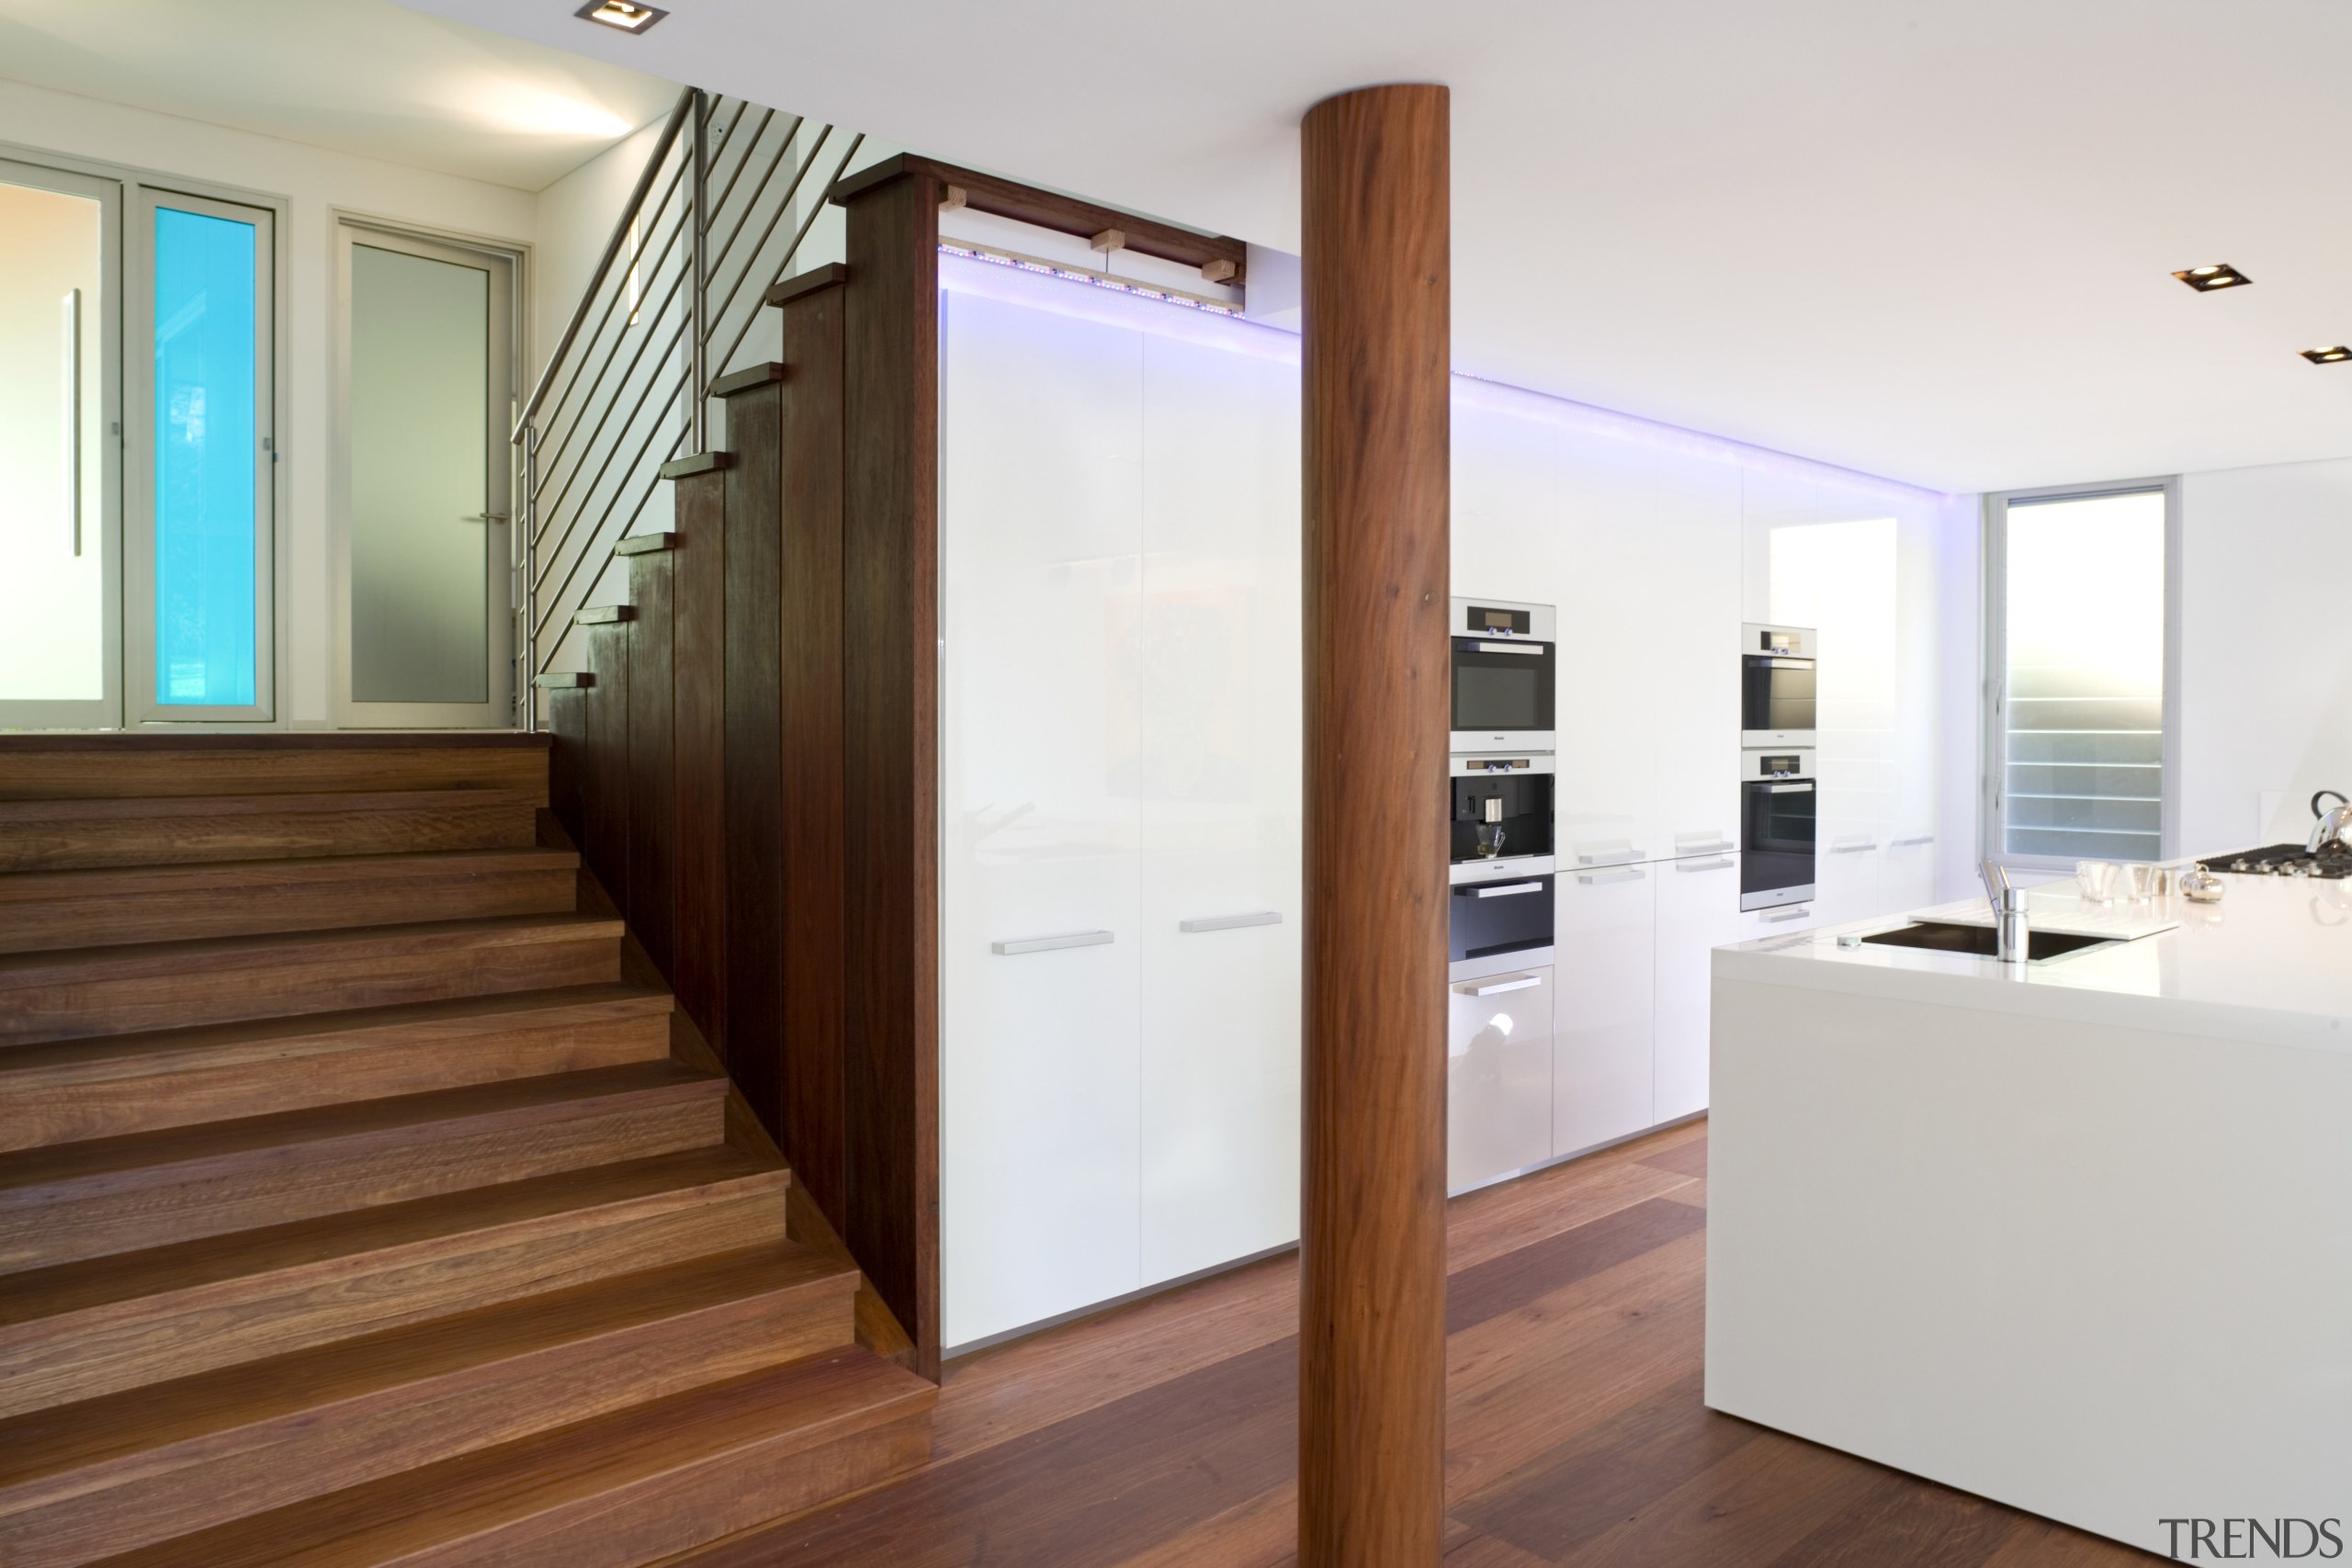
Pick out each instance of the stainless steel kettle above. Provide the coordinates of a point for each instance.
(2200, 885)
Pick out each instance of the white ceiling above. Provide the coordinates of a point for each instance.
(358, 76)
(1927, 239)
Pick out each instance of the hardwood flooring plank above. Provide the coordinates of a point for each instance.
(1517, 1278)
(2034, 1542)
(1685, 1159)
(1484, 1225)
(1907, 1522)
(1607, 1473)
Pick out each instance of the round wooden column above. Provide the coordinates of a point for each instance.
(1371, 1259)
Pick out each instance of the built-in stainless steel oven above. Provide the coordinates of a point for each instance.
(1503, 668)
(1494, 925)
(1776, 699)
(1776, 792)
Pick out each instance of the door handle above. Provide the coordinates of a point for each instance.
(1908, 843)
(1048, 943)
(1596, 878)
(1718, 845)
(1617, 852)
(1687, 866)
(1507, 890)
(483, 517)
(1852, 846)
(1230, 922)
(73, 389)
(1498, 985)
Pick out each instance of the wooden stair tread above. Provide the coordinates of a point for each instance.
(470, 1500)
(110, 1056)
(219, 1409)
(167, 1156)
(354, 944)
(149, 807)
(191, 1267)
(230, 878)
(80, 1330)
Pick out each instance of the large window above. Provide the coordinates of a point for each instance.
(2080, 638)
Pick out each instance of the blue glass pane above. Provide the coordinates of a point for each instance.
(204, 459)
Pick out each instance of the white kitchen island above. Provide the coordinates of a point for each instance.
(2078, 1240)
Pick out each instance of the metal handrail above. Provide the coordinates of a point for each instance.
(586, 436)
(612, 248)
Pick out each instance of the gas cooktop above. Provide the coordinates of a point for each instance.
(2333, 863)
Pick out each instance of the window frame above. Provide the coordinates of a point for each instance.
(1992, 728)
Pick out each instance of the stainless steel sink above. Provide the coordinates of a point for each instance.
(1938, 936)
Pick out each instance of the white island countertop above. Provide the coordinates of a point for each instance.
(2073, 1234)
(2272, 962)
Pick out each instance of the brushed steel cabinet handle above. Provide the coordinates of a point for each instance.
(1497, 985)
(1599, 878)
(1230, 922)
(1716, 846)
(1687, 866)
(1796, 914)
(1619, 856)
(1908, 843)
(1048, 943)
(1852, 846)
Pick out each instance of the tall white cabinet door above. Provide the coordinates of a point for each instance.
(1041, 600)
(1498, 1049)
(1698, 910)
(1692, 656)
(1505, 482)
(1607, 708)
(1601, 1063)
(1217, 776)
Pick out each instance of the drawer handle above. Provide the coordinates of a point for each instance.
(1908, 843)
(1230, 922)
(1687, 866)
(1507, 890)
(1620, 855)
(1718, 845)
(1500, 984)
(1852, 846)
(1048, 943)
(1798, 913)
(1596, 878)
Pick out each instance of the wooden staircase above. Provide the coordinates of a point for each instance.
(363, 1197)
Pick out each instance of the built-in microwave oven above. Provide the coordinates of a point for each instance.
(1505, 659)
(1777, 795)
(1776, 695)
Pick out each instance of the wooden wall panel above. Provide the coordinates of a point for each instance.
(604, 779)
(811, 650)
(891, 572)
(1372, 1249)
(754, 771)
(652, 893)
(697, 705)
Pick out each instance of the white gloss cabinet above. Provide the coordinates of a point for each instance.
(1218, 775)
(1604, 1033)
(1120, 733)
(1499, 1075)
(1040, 591)
(1698, 910)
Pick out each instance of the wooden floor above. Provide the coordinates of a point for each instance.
(1160, 1435)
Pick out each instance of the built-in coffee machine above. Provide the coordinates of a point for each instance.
(1499, 919)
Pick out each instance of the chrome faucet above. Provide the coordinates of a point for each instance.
(2335, 824)
(2011, 938)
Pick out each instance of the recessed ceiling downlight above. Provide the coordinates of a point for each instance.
(629, 16)
(2205, 279)
(2327, 356)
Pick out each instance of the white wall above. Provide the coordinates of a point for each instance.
(2265, 700)
(314, 183)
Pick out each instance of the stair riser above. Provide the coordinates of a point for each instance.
(690, 1508)
(387, 898)
(154, 1206)
(294, 980)
(180, 1090)
(74, 845)
(155, 1495)
(113, 773)
(126, 1345)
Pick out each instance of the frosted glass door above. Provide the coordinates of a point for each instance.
(426, 468)
(57, 400)
(202, 594)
